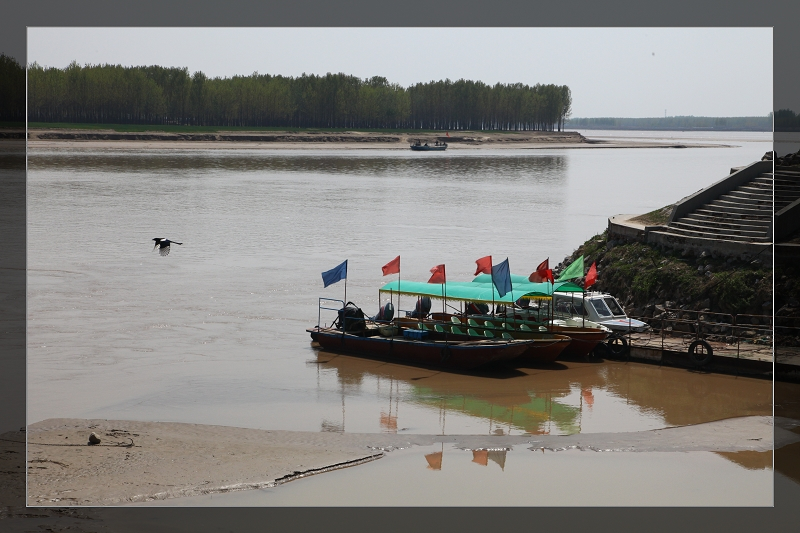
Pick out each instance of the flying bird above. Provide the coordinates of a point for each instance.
(163, 245)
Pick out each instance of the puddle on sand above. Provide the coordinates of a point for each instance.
(442, 475)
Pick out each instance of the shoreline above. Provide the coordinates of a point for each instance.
(48, 139)
(147, 461)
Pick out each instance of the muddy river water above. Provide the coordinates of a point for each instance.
(214, 333)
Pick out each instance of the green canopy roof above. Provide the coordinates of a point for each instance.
(476, 291)
(521, 282)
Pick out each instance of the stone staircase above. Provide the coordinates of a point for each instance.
(743, 214)
(736, 216)
(787, 187)
(787, 193)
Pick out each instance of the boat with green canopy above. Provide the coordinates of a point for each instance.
(585, 334)
(482, 290)
(479, 292)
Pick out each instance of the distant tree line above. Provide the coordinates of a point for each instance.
(159, 95)
(786, 120)
(12, 90)
(675, 123)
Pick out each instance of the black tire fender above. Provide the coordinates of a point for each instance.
(617, 345)
(700, 353)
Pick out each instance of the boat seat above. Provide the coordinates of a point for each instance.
(508, 326)
(455, 320)
(488, 334)
(472, 322)
(438, 328)
(423, 327)
(456, 330)
(524, 327)
(488, 324)
(507, 337)
(543, 329)
(472, 333)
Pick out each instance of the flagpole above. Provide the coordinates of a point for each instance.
(491, 273)
(513, 301)
(444, 290)
(583, 310)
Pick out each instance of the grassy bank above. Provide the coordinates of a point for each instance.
(642, 276)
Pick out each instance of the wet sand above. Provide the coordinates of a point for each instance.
(315, 140)
(146, 461)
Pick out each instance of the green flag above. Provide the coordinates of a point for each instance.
(575, 270)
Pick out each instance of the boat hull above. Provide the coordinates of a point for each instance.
(584, 340)
(545, 350)
(544, 347)
(461, 355)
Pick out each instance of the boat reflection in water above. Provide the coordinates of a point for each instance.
(435, 459)
(581, 397)
(480, 456)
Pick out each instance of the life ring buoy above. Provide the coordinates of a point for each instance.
(700, 353)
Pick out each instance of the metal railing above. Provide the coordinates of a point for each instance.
(729, 333)
(319, 311)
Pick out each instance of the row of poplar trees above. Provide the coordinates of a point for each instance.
(113, 94)
(12, 90)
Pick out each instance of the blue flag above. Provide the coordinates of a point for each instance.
(501, 275)
(335, 274)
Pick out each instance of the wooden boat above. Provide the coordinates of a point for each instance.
(585, 334)
(584, 339)
(546, 347)
(436, 147)
(418, 347)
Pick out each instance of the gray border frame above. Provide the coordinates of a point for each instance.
(781, 15)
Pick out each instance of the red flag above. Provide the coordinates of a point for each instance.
(591, 276)
(588, 397)
(484, 265)
(392, 267)
(542, 273)
(447, 133)
(438, 275)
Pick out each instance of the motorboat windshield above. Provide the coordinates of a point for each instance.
(600, 306)
(614, 306)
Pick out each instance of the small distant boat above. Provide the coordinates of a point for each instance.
(418, 146)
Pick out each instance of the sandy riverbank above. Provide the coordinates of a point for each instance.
(141, 461)
(314, 140)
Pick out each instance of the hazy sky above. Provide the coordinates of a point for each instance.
(620, 72)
